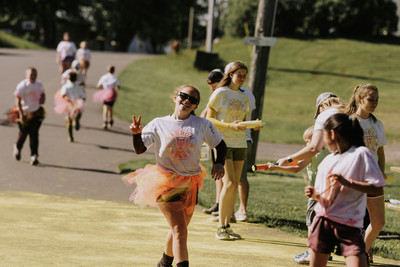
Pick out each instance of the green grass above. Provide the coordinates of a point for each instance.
(299, 70)
(8, 40)
(277, 200)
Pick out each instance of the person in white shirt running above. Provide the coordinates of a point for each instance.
(110, 85)
(66, 50)
(30, 97)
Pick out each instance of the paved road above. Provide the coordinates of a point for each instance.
(84, 169)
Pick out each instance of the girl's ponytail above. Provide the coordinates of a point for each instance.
(352, 106)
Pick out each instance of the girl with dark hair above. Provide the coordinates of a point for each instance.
(173, 183)
(343, 181)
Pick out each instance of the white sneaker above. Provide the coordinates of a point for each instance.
(16, 153)
(241, 217)
(303, 258)
(34, 160)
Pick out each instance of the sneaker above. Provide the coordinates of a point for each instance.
(231, 233)
(241, 217)
(214, 219)
(105, 125)
(16, 153)
(215, 213)
(212, 209)
(34, 160)
(303, 258)
(222, 234)
(111, 123)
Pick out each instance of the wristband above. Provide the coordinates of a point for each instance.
(289, 159)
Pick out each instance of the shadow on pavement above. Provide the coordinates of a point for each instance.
(77, 169)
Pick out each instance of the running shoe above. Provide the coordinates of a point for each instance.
(222, 234)
(303, 258)
(241, 217)
(34, 160)
(16, 153)
(212, 209)
(231, 233)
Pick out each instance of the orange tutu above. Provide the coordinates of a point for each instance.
(154, 184)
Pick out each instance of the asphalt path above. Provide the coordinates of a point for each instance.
(84, 169)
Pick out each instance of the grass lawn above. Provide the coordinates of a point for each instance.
(8, 40)
(299, 70)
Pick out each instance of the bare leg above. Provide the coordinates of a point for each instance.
(318, 259)
(356, 261)
(110, 113)
(178, 220)
(376, 209)
(243, 196)
(105, 109)
(218, 187)
(233, 170)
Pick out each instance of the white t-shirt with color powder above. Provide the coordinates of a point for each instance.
(230, 106)
(30, 94)
(178, 142)
(341, 203)
(374, 136)
(73, 90)
(108, 80)
(83, 54)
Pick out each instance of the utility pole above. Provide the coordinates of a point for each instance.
(190, 28)
(210, 26)
(259, 62)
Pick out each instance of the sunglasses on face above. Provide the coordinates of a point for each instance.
(185, 96)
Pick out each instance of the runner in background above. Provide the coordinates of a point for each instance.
(30, 98)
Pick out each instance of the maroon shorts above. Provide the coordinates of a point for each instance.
(326, 234)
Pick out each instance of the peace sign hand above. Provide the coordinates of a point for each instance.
(135, 126)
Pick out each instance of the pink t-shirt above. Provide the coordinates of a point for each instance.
(178, 142)
(340, 203)
(30, 94)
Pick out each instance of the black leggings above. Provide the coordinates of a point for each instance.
(31, 129)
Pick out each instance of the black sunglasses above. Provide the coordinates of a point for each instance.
(185, 96)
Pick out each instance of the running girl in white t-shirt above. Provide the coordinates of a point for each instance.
(363, 102)
(70, 99)
(174, 182)
(343, 181)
